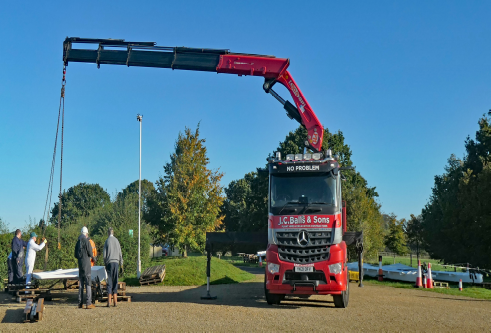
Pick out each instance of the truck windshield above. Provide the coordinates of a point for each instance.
(318, 190)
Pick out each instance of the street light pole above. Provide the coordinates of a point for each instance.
(138, 273)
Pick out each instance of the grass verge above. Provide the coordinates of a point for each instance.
(468, 290)
(191, 271)
(239, 261)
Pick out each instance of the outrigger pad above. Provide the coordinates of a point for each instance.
(353, 237)
(249, 242)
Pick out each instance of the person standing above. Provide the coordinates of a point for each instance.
(83, 252)
(112, 259)
(31, 250)
(94, 252)
(18, 246)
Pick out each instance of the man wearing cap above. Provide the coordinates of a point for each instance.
(83, 252)
(18, 245)
(31, 250)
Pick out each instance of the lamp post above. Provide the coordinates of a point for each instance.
(138, 272)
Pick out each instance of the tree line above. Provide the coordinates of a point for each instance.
(455, 224)
(188, 200)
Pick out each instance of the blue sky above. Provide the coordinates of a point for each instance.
(406, 82)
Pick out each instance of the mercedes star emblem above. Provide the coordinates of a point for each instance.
(303, 238)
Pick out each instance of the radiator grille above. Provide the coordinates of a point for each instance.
(315, 250)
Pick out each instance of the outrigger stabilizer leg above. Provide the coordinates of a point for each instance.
(359, 249)
(208, 265)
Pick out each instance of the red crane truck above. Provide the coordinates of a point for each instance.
(306, 253)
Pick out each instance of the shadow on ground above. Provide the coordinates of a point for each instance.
(13, 316)
(248, 294)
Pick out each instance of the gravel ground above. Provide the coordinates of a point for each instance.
(242, 307)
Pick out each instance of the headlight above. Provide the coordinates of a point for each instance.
(335, 268)
(273, 268)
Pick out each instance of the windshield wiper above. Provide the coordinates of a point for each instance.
(313, 209)
(288, 203)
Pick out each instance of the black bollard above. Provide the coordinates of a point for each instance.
(208, 265)
(359, 248)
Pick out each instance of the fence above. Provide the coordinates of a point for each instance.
(390, 254)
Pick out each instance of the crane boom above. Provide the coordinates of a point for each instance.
(147, 54)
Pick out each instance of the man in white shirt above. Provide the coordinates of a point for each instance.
(31, 250)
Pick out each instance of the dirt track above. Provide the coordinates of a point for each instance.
(242, 308)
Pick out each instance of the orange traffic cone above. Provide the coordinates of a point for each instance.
(380, 272)
(429, 281)
(260, 261)
(460, 285)
(419, 283)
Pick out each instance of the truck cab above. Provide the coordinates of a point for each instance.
(306, 254)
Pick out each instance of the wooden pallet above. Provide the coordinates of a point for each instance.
(71, 284)
(26, 298)
(13, 287)
(120, 299)
(104, 291)
(438, 284)
(34, 311)
(153, 275)
(153, 272)
(121, 285)
(21, 296)
(32, 291)
(151, 281)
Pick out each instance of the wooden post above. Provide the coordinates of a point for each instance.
(411, 258)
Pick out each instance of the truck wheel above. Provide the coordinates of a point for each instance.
(341, 301)
(272, 298)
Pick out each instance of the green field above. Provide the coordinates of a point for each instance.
(238, 261)
(191, 271)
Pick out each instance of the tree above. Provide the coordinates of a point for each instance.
(80, 200)
(414, 232)
(5, 248)
(395, 240)
(189, 196)
(148, 191)
(246, 205)
(457, 218)
(4, 227)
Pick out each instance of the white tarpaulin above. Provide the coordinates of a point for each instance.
(402, 272)
(71, 274)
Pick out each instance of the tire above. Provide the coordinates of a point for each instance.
(272, 298)
(341, 301)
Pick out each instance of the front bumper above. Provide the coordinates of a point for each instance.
(321, 281)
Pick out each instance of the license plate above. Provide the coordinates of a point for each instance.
(301, 269)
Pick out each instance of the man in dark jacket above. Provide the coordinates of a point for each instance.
(83, 252)
(18, 252)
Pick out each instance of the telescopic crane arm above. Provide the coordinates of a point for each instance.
(147, 54)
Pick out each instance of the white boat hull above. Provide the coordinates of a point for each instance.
(400, 272)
